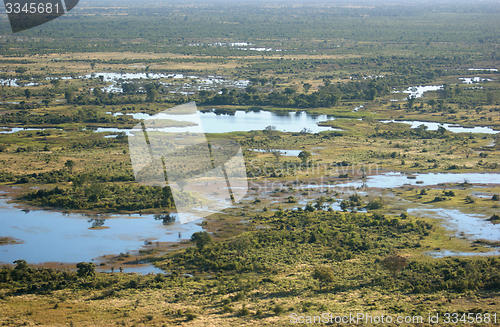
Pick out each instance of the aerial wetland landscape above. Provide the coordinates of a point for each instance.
(368, 134)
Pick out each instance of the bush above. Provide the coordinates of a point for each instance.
(85, 269)
(469, 199)
(494, 218)
(324, 274)
(394, 263)
(227, 309)
(278, 309)
(244, 311)
(449, 193)
(190, 314)
(375, 204)
(201, 239)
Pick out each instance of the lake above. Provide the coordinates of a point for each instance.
(396, 179)
(244, 121)
(52, 236)
(454, 128)
(473, 227)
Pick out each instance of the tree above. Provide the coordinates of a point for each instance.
(46, 102)
(494, 218)
(375, 204)
(324, 274)
(97, 222)
(304, 156)
(27, 94)
(166, 219)
(69, 95)
(441, 130)
(411, 101)
(152, 94)
(490, 97)
(421, 129)
(130, 88)
(432, 103)
(201, 239)
(55, 82)
(85, 269)
(371, 94)
(394, 263)
(276, 154)
(21, 264)
(70, 164)
(307, 86)
(270, 128)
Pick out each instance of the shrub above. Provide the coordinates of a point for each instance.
(244, 311)
(85, 269)
(201, 239)
(375, 204)
(449, 193)
(240, 296)
(394, 263)
(469, 199)
(278, 309)
(227, 309)
(494, 218)
(190, 314)
(324, 274)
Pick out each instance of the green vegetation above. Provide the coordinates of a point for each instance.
(314, 262)
(109, 198)
(284, 250)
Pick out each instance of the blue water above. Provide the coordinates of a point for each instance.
(50, 236)
(395, 179)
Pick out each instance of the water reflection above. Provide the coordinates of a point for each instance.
(51, 236)
(396, 179)
(449, 127)
(470, 226)
(217, 121)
